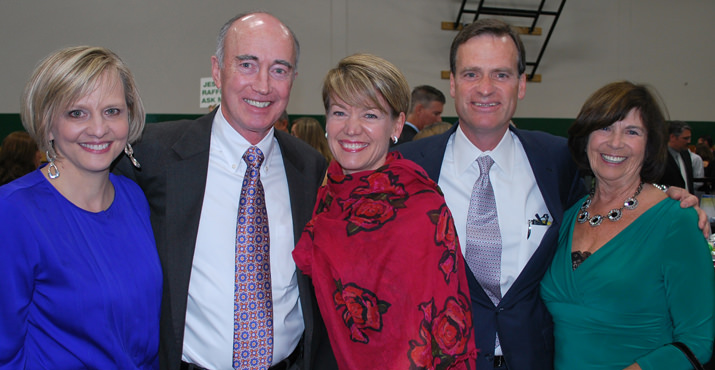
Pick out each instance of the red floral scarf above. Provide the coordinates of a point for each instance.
(388, 274)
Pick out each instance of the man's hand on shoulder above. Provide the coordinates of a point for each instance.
(689, 200)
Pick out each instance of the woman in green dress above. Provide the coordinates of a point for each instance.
(632, 272)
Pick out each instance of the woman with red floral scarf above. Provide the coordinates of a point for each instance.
(381, 247)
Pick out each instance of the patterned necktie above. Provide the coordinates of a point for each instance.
(483, 236)
(253, 304)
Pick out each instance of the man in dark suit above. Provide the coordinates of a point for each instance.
(192, 172)
(426, 106)
(534, 181)
(679, 165)
(533, 177)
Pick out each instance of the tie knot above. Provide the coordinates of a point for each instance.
(253, 157)
(485, 162)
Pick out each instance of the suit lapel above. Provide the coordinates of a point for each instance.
(545, 174)
(185, 186)
(546, 179)
(299, 193)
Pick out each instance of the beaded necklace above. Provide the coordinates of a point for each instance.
(613, 215)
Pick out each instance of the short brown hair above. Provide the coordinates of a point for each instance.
(612, 103)
(66, 76)
(359, 78)
(487, 26)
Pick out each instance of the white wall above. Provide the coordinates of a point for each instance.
(168, 43)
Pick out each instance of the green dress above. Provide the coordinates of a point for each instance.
(652, 284)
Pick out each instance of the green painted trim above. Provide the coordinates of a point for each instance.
(10, 122)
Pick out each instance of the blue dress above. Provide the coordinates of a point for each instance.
(652, 284)
(77, 289)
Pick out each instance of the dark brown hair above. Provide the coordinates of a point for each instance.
(612, 103)
(17, 156)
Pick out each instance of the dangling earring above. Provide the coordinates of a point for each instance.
(52, 171)
(326, 135)
(129, 151)
(394, 139)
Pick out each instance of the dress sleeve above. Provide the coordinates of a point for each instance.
(689, 282)
(18, 264)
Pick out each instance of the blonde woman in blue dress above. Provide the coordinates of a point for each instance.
(81, 280)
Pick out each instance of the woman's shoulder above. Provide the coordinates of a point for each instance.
(675, 212)
(674, 224)
(126, 185)
(410, 172)
(27, 195)
(24, 186)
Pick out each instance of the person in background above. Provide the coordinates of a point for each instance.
(426, 106)
(204, 178)
(704, 151)
(632, 272)
(433, 129)
(309, 130)
(698, 172)
(679, 163)
(532, 180)
(381, 247)
(19, 156)
(81, 279)
(282, 122)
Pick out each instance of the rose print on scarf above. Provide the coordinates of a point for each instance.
(445, 236)
(443, 335)
(374, 204)
(361, 310)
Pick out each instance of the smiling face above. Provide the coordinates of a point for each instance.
(616, 152)
(486, 87)
(257, 74)
(92, 131)
(359, 136)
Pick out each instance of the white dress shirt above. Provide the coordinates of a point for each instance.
(681, 165)
(208, 335)
(517, 197)
(698, 170)
(412, 125)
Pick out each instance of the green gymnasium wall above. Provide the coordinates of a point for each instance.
(10, 122)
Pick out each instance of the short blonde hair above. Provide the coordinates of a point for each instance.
(66, 76)
(360, 79)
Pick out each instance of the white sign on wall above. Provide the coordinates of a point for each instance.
(210, 94)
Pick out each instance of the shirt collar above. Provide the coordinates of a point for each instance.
(673, 152)
(411, 125)
(232, 145)
(465, 153)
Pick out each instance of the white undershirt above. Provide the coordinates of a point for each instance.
(517, 196)
(208, 335)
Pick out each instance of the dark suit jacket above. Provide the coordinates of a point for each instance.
(672, 176)
(174, 158)
(524, 325)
